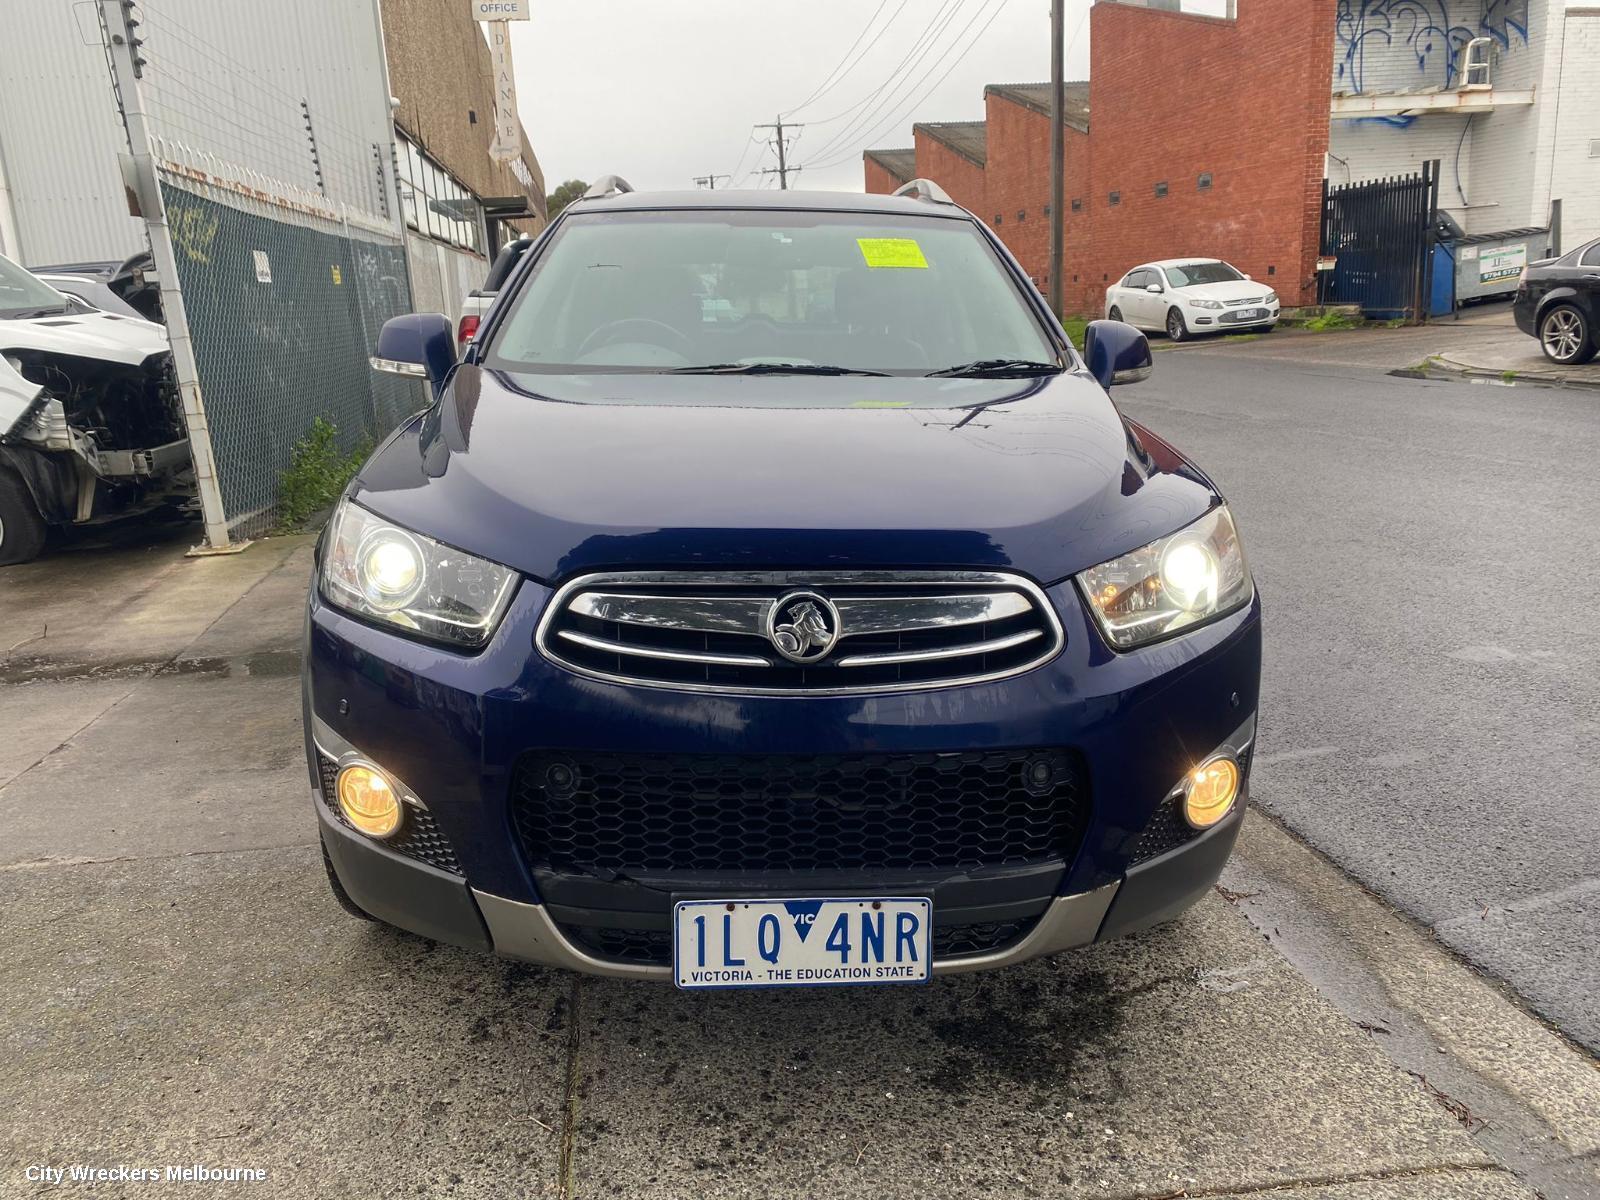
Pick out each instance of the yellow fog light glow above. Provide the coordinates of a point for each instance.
(368, 801)
(1211, 790)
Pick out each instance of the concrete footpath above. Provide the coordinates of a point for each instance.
(181, 989)
(1483, 344)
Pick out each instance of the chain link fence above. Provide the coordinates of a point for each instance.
(285, 303)
(286, 233)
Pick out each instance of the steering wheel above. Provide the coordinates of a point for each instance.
(614, 331)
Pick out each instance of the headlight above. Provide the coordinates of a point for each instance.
(1173, 584)
(385, 573)
(1272, 297)
(1205, 303)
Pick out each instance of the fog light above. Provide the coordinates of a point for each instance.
(368, 801)
(1210, 793)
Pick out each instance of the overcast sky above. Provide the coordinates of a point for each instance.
(660, 91)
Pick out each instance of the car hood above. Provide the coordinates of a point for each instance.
(560, 475)
(1237, 289)
(105, 337)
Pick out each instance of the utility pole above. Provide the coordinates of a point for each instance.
(710, 181)
(1058, 109)
(783, 168)
(116, 27)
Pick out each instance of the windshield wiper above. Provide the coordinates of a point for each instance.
(998, 367)
(771, 369)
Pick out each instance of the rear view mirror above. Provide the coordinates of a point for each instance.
(1116, 353)
(419, 345)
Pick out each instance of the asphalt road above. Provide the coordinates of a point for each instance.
(1426, 552)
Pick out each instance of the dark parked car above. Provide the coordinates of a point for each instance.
(1558, 302)
(841, 631)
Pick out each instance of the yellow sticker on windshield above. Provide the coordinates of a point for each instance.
(892, 252)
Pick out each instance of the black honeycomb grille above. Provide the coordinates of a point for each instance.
(653, 947)
(420, 838)
(641, 814)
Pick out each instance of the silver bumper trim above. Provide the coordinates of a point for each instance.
(526, 932)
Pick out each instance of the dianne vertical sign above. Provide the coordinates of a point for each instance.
(507, 144)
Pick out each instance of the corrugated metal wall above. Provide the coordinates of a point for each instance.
(225, 77)
(60, 136)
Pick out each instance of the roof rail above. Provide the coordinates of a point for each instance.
(924, 189)
(607, 185)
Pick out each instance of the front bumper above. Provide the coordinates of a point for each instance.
(453, 729)
(440, 906)
(1200, 318)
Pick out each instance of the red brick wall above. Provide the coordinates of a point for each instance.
(1018, 184)
(958, 175)
(879, 179)
(1173, 95)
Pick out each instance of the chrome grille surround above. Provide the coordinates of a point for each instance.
(639, 628)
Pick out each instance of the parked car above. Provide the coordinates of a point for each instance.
(1558, 302)
(855, 638)
(90, 423)
(1188, 296)
(476, 302)
(127, 287)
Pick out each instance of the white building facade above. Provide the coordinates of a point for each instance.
(1505, 94)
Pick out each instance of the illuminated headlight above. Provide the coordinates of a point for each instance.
(1198, 303)
(384, 573)
(1174, 584)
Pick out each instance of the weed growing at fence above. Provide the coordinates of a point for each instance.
(318, 472)
(1332, 319)
(1075, 327)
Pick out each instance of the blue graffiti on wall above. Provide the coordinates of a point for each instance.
(1425, 29)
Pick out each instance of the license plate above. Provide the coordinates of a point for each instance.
(801, 943)
(1245, 314)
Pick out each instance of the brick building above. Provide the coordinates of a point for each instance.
(1214, 135)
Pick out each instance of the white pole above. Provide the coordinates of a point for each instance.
(125, 75)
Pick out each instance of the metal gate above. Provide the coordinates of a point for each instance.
(1379, 236)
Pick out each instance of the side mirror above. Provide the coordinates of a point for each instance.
(1154, 288)
(420, 345)
(1248, 276)
(1116, 353)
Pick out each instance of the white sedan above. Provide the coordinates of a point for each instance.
(1189, 296)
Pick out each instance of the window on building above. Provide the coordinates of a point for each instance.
(1116, 199)
(1161, 188)
(1204, 182)
(1077, 205)
(1021, 213)
(997, 220)
(433, 202)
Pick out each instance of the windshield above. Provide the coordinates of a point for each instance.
(753, 290)
(23, 295)
(1192, 273)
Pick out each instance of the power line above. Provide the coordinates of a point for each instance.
(892, 91)
(827, 86)
(921, 43)
(877, 130)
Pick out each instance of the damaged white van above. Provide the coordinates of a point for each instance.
(90, 423)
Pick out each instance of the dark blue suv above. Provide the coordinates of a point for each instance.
(772, 596)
